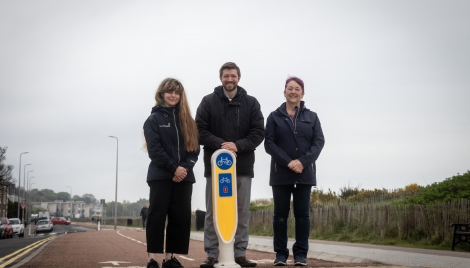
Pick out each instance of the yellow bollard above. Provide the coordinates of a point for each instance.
(224, 204)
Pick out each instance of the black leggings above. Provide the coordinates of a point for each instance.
(173, 200)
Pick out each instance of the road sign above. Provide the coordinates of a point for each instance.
(23, 205)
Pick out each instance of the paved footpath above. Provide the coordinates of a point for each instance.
(126, 247)
(365, 253)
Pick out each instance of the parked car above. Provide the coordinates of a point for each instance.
(8, 228)
(44, 214)
(44, 226)
(40, 218)
(18, 227)
(2, 230)
(60, 220)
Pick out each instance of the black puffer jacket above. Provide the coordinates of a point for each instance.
(287, 140)
(165, 145)
(240, 121)
(144, 212)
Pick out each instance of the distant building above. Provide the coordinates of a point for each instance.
(13, 197)
(73, 209)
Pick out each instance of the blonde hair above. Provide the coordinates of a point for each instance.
(187, 123)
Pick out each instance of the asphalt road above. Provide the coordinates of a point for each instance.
(60, 229)
(14, 249)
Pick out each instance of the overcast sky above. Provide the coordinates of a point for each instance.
(390, 81)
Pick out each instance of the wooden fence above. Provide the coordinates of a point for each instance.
(382, 220)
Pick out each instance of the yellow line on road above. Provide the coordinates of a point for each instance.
(25, 250)
(39, 241)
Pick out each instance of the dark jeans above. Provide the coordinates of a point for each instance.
(144, 221)
(172, 200)
(301, 200)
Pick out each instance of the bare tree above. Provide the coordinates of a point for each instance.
(6, 179)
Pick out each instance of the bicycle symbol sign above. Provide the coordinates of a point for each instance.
(224, 161)
(225, 185)
(225, 180)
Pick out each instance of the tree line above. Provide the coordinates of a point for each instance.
(6, 178)
(126, 208)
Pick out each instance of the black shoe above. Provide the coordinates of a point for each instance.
(172, 263)
(300, 261)
(244, 262)
(153, 264)
(280, 261)
(209, 263)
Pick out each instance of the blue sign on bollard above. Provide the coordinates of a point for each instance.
(225, 185)
(224, 161)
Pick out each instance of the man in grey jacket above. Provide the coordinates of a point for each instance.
(230, 119)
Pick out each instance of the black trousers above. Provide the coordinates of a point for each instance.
(173, 200)
(144, 221)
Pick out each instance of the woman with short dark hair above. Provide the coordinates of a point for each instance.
(294, 139)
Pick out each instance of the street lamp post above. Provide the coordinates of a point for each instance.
(70, 191)
(26, 184)
(29, 183)
(19, 184)
(29, 189)
(24, 171)
(25, 194)
(30, 206)
(115, 195)
(71, 211)
(29, 195)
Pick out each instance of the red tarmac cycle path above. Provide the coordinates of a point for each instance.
(126, 248)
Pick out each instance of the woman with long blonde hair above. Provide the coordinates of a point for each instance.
(171, 137)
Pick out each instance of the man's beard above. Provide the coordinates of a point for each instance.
(230, 86)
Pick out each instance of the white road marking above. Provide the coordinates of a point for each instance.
(124, 267)
(267, 261)
(114, 262)
(186, 258)
(145, 244)
(130, 238)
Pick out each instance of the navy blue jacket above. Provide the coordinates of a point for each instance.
(239, 121)
(165, 145)
(287, 140)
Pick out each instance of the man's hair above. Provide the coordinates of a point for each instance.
(295, 79)
(229, 65)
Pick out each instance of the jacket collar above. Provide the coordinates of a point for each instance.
(163, 109)
(282, 108)
(241, 92)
